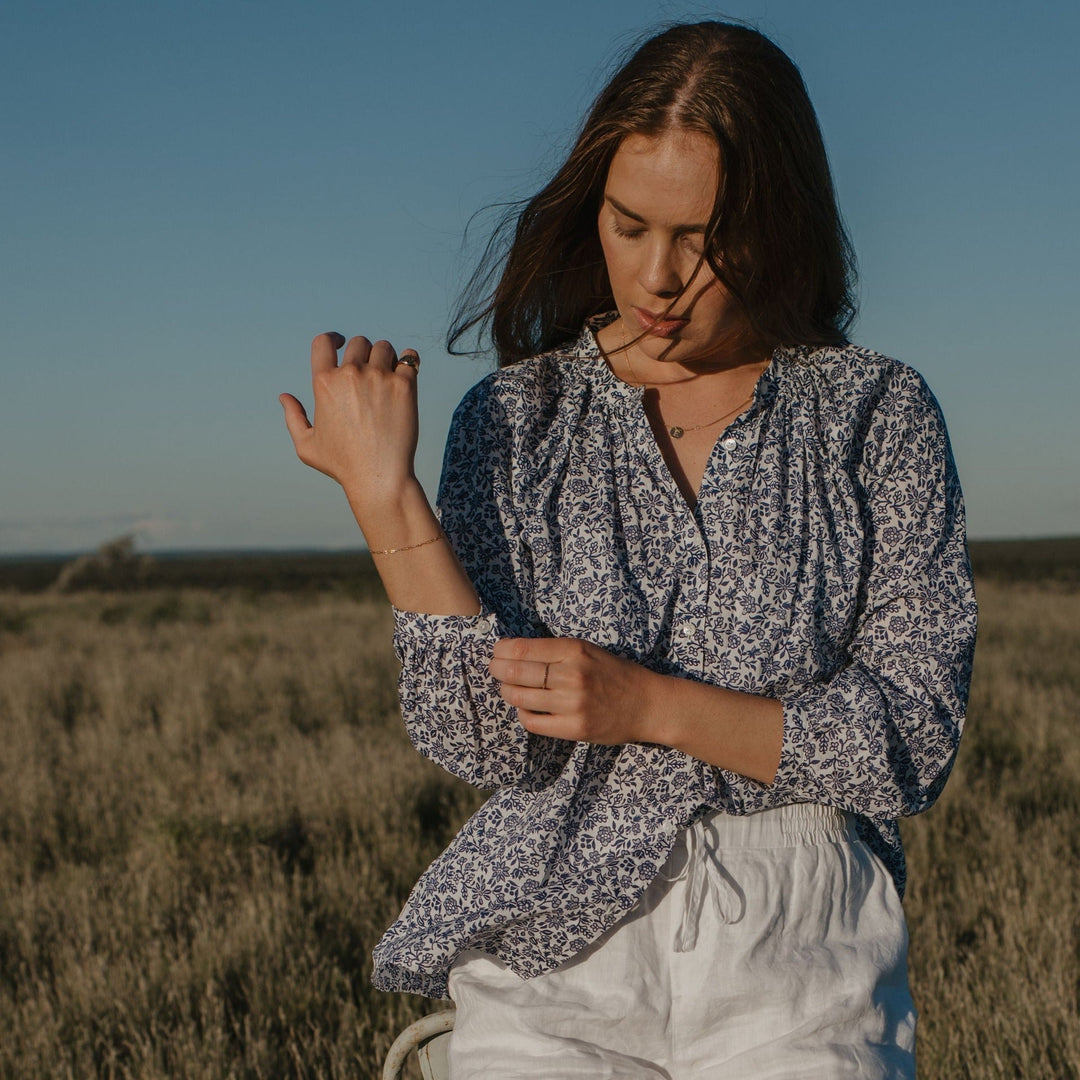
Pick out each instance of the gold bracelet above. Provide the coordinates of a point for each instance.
(408, 547)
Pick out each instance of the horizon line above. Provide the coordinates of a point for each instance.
(234, 552)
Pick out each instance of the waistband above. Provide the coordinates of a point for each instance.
(705, 842)
(784, 826)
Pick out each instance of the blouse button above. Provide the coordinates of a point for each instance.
(685, 631)
(485, 625)
(730, 444)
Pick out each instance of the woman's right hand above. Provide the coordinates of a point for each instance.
(365, 422)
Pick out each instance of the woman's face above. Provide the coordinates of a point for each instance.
(657, 202)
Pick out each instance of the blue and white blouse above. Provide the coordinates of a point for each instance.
(824, 565)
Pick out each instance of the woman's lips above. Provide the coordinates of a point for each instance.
(659, 327)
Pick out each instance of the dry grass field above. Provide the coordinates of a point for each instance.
(208, 813)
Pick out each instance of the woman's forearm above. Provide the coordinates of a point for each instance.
(419, 572)
(742, 733)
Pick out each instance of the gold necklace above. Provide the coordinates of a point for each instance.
(676, 431)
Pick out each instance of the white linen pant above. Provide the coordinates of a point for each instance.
(772, 945)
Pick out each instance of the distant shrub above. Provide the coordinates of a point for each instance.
(115, 565)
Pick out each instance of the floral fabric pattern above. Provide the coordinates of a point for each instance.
(824, 565)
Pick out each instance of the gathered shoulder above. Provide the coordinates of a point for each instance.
(861, 377)
(854, 383)
(532, 401)
(538, 380)
(865, 408)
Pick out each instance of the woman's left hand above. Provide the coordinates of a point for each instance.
(571, 689)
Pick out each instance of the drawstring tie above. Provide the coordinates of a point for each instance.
(702, 867)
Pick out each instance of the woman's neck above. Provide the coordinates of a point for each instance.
(725, 365)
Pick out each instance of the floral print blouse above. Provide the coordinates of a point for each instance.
(824, 565)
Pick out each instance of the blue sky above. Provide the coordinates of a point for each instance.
(192, 190)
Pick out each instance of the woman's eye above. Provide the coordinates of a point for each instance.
(627, 234)
(692, 242)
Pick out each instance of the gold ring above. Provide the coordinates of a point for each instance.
(410, 361)
(547, 670)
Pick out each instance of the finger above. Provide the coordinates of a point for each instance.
(324, 349)
(356, 352)
(408, 363)
(522, 672)
(547, 650)
(542, 723)
(530, 699)
(295, 417)
(382, 356)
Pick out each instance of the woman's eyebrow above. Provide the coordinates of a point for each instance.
(637, 217)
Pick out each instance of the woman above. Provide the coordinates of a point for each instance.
(697, 606)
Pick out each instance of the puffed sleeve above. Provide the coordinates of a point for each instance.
(451, 705)
(879, 737)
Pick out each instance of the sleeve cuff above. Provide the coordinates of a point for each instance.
(791, 775)
(416, 633)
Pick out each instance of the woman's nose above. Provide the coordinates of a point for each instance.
(659, 272)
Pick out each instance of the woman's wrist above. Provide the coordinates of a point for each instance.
(394, 519)
(726, 728)
(418, 567)
(656, 722)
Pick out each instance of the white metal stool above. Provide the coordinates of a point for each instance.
(429, 1037)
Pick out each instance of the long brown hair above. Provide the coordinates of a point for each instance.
(775, 239)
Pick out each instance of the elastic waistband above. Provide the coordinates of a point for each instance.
(785, 826)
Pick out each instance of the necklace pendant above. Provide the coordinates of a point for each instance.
(676, 432)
